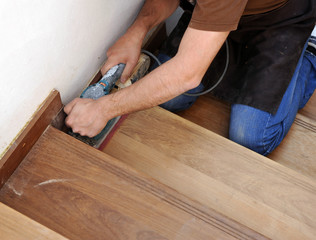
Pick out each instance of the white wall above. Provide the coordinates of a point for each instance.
(46, 44)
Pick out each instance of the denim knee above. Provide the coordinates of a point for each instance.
(251, 128)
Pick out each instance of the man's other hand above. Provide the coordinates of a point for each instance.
(125, 50)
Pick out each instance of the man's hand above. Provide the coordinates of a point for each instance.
(85, 116)
(125, 50)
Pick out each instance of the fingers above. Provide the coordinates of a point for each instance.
(127, 71)
(84, 117)
(114, 57)
(68, 108)
(108, 65)
(129, 58)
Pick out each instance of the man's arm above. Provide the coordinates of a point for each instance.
(183, 72)
(127, 48)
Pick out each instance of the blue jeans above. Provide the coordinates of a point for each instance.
(261, 131)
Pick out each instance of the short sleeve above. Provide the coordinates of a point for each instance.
(217, 15)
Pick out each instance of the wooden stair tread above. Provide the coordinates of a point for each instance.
(83, 193)
(15, 226)
(296, 151)
(263, 195)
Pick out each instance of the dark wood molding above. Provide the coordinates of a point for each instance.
(96, 78)
(23, 144)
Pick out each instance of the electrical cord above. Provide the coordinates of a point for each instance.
(151, 55)
(212, 87)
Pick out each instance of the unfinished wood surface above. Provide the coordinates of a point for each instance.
(253, 190)
(42, 118)
(83, 193)
(15, 226)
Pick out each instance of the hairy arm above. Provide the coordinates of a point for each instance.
(183, 72)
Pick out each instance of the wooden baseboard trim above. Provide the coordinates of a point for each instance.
(23, 144)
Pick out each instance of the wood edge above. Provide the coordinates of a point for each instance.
(30, 134)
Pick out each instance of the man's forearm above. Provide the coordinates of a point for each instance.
(152, 13)
(181, 73)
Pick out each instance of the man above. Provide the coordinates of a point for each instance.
(266, 41)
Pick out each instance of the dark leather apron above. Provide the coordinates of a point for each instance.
(264, 52)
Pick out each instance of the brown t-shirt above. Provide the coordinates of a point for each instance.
(224, 15)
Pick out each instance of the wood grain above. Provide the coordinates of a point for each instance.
(296, 151)
(249, 188)
(42, 118)
(15, 226)
(83, 193)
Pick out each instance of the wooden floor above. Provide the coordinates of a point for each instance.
(259, 193)
(298, 149)
(82, 193)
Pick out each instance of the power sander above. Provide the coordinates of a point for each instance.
(104, 87)
(95, 91)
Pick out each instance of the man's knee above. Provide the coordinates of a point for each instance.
(250, 128)
(247, 136)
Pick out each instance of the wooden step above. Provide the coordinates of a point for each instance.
(297, 150)
(261, 194)
(15, 226)
(83, 193)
